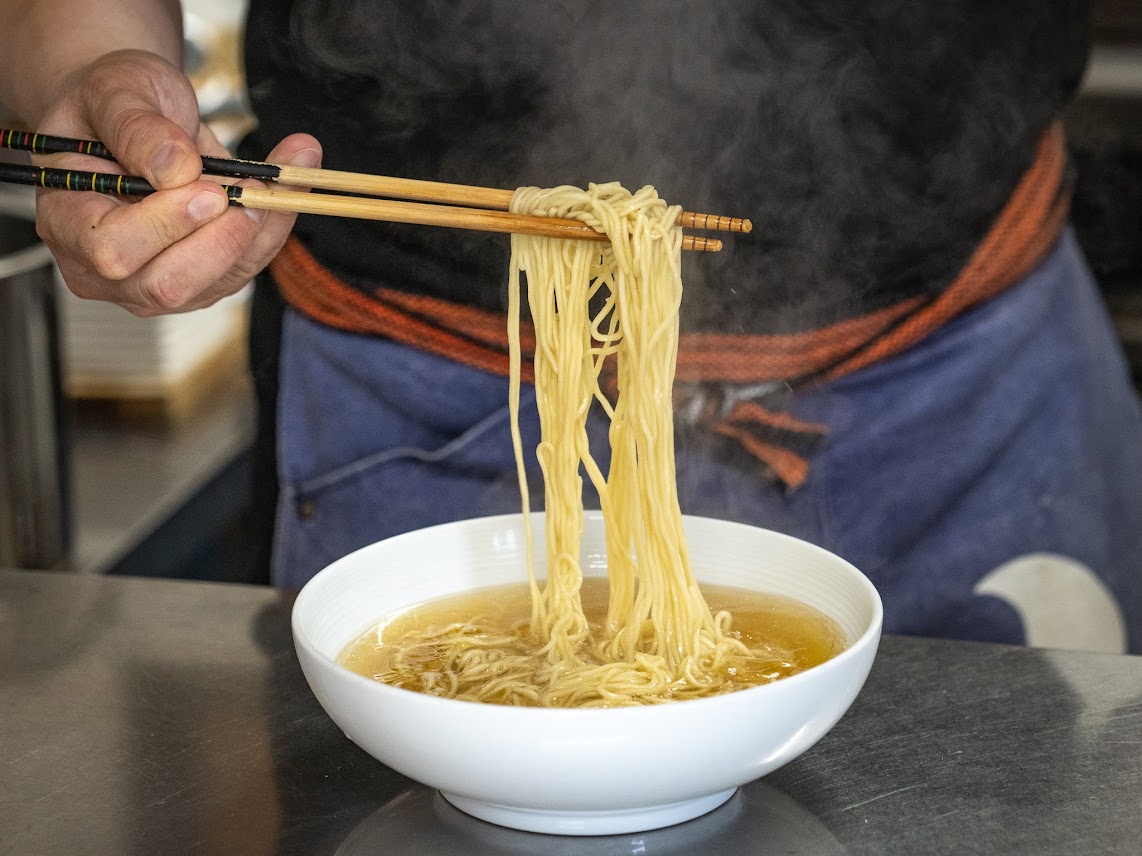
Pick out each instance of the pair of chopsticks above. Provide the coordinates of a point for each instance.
(436, 203)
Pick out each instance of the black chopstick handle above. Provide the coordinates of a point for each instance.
(72, 179)
(25, 141)
(99, 182)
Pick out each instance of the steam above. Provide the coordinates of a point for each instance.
(871, 144)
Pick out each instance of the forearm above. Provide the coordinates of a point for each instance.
(43, 42)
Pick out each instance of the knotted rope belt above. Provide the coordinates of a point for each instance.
(722, 378)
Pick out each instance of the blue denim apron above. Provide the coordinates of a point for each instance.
(1012, 431)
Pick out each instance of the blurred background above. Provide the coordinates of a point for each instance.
(126, 441)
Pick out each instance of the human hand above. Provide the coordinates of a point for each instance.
(182, 247)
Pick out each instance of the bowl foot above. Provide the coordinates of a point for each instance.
(614, 822)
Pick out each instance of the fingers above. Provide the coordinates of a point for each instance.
(294, 150)
(231, 250)
(148, 117)
(208, 143)
(143, 109)
(173, 251)
(297, 150)
(119, 238)
(180, 248)
(153, 256)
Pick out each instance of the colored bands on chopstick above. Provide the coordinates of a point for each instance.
(73, 179)
(25, 141)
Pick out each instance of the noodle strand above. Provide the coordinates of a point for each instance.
(660, 640)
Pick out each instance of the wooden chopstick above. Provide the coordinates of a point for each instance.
(493, 198)
(337, 206)
(425, 214)
(345, 182)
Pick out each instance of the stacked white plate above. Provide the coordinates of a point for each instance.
(110, 353)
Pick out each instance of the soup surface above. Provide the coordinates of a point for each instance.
(794, 636)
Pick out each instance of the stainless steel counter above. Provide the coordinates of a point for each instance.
(157, 717)
(128, 478)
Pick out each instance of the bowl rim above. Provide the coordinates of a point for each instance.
(855, 651)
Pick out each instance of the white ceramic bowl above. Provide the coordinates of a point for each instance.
(580, 772)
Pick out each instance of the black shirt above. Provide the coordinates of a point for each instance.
(872, 144)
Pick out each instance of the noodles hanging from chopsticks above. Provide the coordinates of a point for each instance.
(660, 641)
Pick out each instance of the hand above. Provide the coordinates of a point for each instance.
(180, 248)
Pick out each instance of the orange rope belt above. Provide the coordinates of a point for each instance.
(711, 363)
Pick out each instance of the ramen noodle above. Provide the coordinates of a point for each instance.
(605, 316)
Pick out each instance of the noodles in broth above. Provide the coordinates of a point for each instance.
(659, 641)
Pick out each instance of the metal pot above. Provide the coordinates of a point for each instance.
(34, 458)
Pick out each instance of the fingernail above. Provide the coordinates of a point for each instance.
(205, 206)
(310, 158)
(255, 214)
(165, 162)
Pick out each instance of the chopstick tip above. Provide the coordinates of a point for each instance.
(705, 245)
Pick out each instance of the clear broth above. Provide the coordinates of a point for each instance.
(797, 636)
